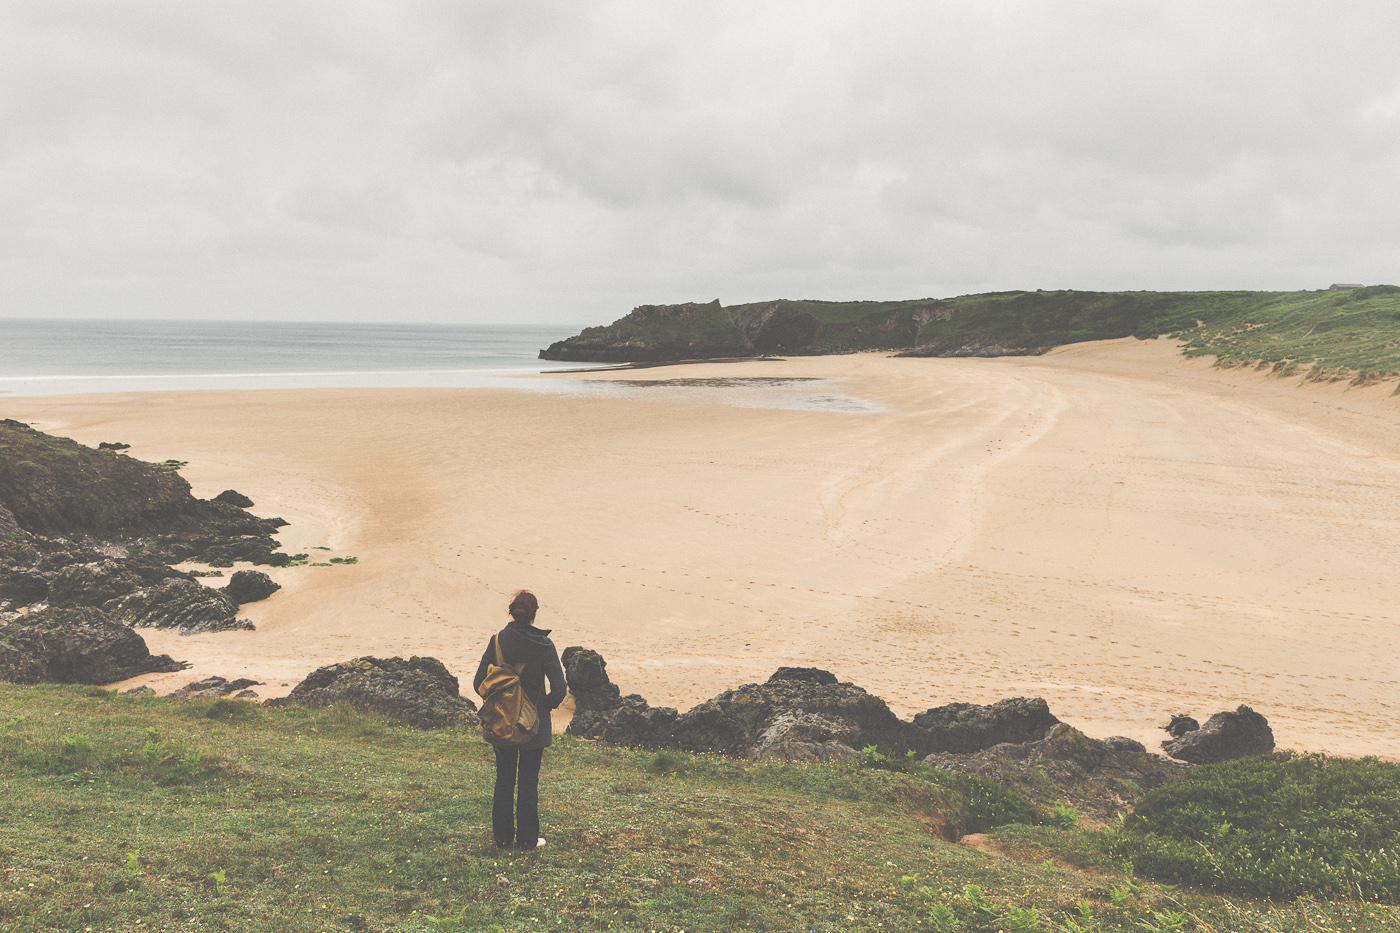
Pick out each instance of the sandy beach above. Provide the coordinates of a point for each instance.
(1123, 532)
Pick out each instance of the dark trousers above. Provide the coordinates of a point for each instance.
(515, 818)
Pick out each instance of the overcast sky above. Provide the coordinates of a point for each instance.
(561, 162)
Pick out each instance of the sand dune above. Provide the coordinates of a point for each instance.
(1113, 528)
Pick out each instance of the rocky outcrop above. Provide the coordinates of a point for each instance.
(84, 527)
(968, 727)
(95, 583)
(602, 713)
(809, 719)
(419, 691)
(799, 714)
(75, 646)
(179, 604)
(249, 586)
(211, 688)
(589, 684)
(1099, 777)
(234, 497)
(1180, 724)
(1226, 735)
(806, 675)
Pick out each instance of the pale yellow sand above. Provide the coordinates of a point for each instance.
(1122, 532)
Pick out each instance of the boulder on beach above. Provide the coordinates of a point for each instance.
(1180, 724)
(815, 718)
(233, 497)
(1231, 734)
(75, 646)
(602, 713)
(419, 691)
(964, 728)
(589, 684)
(249, 586)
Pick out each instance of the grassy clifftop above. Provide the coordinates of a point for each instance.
(1354, 330)
(138, 813)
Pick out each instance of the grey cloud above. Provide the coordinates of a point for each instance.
(557, 160)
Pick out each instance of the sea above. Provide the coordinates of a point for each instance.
(75, 356)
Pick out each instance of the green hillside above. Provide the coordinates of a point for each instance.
(138, 813)
(1356, 331)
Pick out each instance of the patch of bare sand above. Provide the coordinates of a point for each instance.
(1121, 531)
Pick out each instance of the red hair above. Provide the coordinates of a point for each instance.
(523, 608)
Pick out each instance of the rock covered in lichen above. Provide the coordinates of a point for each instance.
(1227, 735)
(75, 646)
(419, 691)
(179, 604)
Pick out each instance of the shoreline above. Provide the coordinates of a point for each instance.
(1121, 530)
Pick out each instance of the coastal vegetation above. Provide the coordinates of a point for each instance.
(137, 812)
(1353, 332)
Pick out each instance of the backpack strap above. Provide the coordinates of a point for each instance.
(500, 658)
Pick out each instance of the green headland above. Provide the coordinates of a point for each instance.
(1349, 333)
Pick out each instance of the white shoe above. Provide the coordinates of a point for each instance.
(540, 844)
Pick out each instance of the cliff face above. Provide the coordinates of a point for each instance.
(993, 324)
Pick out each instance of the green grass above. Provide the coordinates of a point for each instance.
(1352, 334)
(224, 815)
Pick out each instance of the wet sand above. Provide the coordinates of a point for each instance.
(1123, 532)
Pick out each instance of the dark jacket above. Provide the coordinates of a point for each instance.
(527, 643)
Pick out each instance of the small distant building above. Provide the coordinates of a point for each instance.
(1342, 286)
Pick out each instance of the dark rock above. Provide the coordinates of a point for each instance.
(800, 714)
(631, 722)
(808, 675)
(246, 695)
(1225, 736)
(113, 445)
(16, 544)
(211, 688)
(178, 604)
(75, 646)
(55, 492)
(249, 586)
(92, 584)
(206, 573)
(254, 549)
(1180, 725)
(233, 497)
(589, 684)
(969, 727)
(419, 691)
(140, 691)
(794, 719)
(1099, 778)
(22, 587)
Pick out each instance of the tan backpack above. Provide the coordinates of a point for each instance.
(508, 718)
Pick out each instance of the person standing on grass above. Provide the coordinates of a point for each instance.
(515, 805)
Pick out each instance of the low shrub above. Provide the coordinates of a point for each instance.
(1279, 825)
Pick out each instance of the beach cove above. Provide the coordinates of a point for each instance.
(1121, 531)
